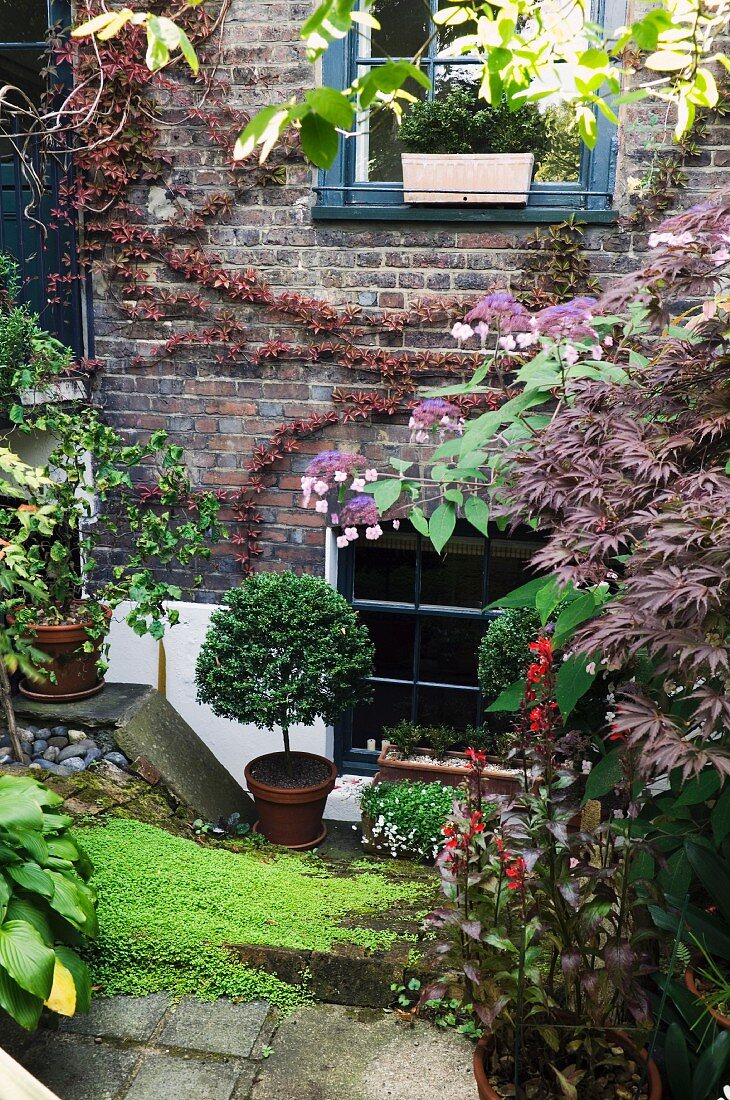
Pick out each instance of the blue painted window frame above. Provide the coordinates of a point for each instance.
(337, 188)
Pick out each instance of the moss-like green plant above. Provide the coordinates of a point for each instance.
(504, 650)
(283, 650)
(168, 907)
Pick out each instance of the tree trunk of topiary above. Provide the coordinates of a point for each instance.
(7, 703)
(287, 752)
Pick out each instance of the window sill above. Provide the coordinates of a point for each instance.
(395, 212)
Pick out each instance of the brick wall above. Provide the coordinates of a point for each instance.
(220, 411)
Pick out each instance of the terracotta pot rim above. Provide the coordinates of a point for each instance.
(59, 629)
(290, 794)
(652, 1085)
(691, 984)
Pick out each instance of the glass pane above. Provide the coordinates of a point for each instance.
(561, 160)
(449, 650)
(23, 20)
(378, 148)
(394, 638)
(391, 703)
(403, 29)
(22, 68)
(385, 570)
(447, 707)
(453, 578)
(508, 566)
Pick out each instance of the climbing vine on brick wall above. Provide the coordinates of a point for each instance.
(115, 122)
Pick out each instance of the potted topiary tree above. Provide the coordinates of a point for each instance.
(460, 150)
(284, 650)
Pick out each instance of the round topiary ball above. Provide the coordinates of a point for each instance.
(282, 650)
(504, 652)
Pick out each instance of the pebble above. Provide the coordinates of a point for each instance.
(35, 766)
(43, 734)
(39, 747)
(26, 736)
(76, 736)
(7, 759)
(117, 758)
(51, 753)
(5, 742)
(92, 755)
(26, 759)
(59, 731)
(71, 765)
(75, 750)
(58, 742)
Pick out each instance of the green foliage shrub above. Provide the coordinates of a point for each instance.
(46, 907)
(408, 818)
(462, 123)
(504, 652)
(282, 650)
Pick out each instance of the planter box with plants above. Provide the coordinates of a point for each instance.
(461, 150)
(405, 820)
(409, 753)
(285, 650)
(57, 607)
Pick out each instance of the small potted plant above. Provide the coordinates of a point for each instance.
(405, 820)
(429, 755)
(285, 650)
(462, 150)
(84, 496)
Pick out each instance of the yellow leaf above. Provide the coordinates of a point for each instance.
(105, 25)
(62, 998)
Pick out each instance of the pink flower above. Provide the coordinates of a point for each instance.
(461, 331)
(351, 533)
(371, 475)
(373, 532)
(525, 339)
(507, 343)
(396, 524)
(358, 484)
(342, 541)
(321, 487)
(340, 475)
(321, 506)
(335, 518)
(571, 354)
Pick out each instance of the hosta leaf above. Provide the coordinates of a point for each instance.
(28, 961)
(80, 973)
(22, 1006)
(18, 810)
(62, 998)
(22, 909)
(32, 877)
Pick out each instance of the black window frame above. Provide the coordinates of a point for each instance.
(358, 761)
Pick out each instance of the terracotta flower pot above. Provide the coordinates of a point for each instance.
(689, 981)
(652, 1088)
(76, 674)
(291, 816)
(452, 772)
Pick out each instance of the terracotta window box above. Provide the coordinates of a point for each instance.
(452, 770)
(472, 178)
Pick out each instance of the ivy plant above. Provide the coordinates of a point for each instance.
(46, 906)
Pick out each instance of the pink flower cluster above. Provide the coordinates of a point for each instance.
(434, 416)
(516, 329)
(332, 477)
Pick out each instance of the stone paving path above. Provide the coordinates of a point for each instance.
(147, 1048)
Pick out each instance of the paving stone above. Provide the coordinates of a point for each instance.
(120, 1017)
(80, 1069)
(163, 1076)
(220, 1027)
(336, 1053)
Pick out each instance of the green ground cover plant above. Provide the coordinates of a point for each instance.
(408, 817)
(167, 905)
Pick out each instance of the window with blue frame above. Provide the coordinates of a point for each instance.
(425, 613)
(367, 172)
(29, 231)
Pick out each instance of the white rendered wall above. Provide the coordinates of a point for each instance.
(134, 660)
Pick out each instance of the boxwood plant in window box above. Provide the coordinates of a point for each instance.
(460, 150)
(84, 498)
(285, 650)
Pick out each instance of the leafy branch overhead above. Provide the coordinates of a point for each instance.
(529, 50)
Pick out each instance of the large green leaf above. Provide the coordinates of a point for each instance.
(676, 877)
(32, 877)
(73, 901)
(441, 526)
(709, 1075)
(22, 1006)
(476, 511)
(713, 873)
(679, 1069)
(26, 957)
(699, 789)
(386, 492)
(19, 811)
(509, 699)
(521, 597)
(33, 843)
(319, 140)
(720, 816)
(605, 775)
(573, 681)
(572, 616)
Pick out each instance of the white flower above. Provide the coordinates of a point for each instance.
(482, 330)
(373, 532)
(461, 331)
(597, 351)
(340, 475)
(608, 342)
(371, 475)
(526, 339)
(618, 814)
(351, 533)
(586, 766)
(358, 484)
(507, 343)
(591, 668)
(321, 506)
(321, 487)
(342, 542)
(571, 354)
(396, 524)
